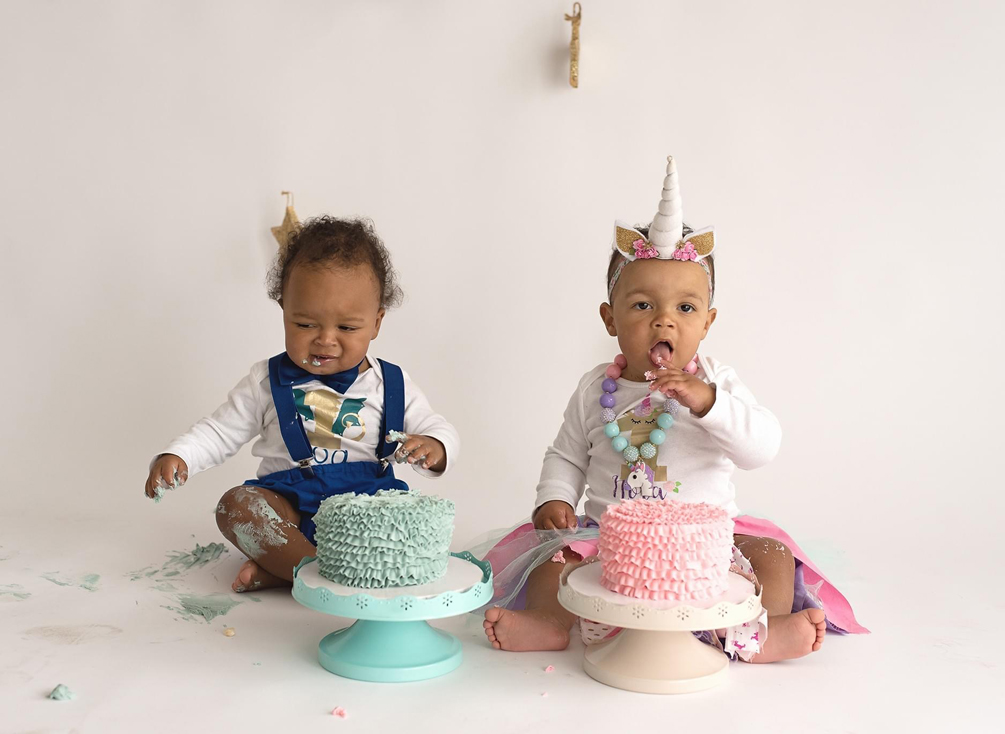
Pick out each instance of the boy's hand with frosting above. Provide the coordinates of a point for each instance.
(425, 451)
(555, 515)
(685, 388)
(168, 472)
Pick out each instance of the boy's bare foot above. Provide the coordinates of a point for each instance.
(532, 629)
(253, 577)
(793, 636)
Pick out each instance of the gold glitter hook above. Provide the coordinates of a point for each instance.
(284, 231)
(576, 17)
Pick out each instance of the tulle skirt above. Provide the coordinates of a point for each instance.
(515, 552)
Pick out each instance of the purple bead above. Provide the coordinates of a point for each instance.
(609, 385)
(607, 400)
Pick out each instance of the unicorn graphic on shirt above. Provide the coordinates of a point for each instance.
(641, 481)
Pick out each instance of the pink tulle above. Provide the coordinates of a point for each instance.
(837, 608)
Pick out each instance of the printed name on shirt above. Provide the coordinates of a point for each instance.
(639, 485)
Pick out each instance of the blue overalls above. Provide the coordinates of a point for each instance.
(307, 486)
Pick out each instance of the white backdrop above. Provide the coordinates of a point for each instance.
(849, 156)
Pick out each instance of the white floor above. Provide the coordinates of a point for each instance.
(137, 666)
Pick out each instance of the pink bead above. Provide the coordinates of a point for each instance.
(614, 372)
(620, 361)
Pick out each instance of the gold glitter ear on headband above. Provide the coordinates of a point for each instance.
(703, 242)
(576, 17)
(290, 223)
(624, 237)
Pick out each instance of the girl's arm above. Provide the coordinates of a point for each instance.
(215, 439)
(748, 433)
(563, 475)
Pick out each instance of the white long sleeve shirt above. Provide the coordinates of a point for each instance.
(339, 427)
(695, 463)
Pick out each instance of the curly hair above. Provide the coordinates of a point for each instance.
(328, 241)
(616, 258)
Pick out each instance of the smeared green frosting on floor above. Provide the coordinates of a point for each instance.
(62, 693)
(204, 606)
(182, 562)
(88, 581)
(55, 578)
(14, 590)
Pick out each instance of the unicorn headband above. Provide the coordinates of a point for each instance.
(666, 239)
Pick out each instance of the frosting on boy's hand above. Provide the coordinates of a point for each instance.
(168, 472)
(398, 437)
(424, 451)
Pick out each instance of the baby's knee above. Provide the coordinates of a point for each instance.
(767, 555)
(781, 555)
(233, 505)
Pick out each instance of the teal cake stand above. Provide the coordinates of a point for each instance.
(391, 641)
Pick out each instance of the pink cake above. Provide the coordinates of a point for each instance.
(666, 551)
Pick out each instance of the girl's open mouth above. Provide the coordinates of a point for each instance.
(661, 353)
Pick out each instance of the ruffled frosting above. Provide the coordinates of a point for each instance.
(391, 538)
(665, 551)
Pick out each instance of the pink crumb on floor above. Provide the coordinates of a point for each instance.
(339, 712)
(549, 669)
(544, 695)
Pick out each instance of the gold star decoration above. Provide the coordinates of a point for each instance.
(576, 18)
(290, 223)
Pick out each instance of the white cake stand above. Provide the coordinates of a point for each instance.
(391, 640)
(656, 652)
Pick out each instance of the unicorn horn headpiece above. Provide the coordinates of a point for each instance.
(666, 240)
(668, 224)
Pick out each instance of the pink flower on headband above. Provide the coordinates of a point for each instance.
(643, 250)
(687, 252)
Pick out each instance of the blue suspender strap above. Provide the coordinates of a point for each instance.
(394, 407)
(294, 435)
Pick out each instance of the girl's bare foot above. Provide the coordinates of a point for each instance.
(253, 577)
(793, 636)
(531, 629)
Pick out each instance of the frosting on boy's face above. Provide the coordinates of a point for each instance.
(659, 310)
(331, 314)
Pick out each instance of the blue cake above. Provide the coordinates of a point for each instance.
(392, 538)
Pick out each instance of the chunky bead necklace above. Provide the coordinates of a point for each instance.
(612, 430)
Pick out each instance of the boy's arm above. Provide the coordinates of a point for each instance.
(422, 420)
(214, 439)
